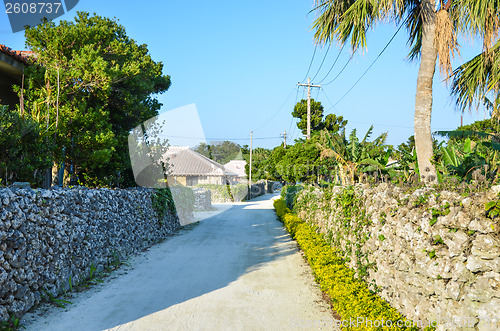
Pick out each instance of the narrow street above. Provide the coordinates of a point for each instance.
(235, 270)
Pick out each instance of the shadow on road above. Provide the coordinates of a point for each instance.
(209, 257)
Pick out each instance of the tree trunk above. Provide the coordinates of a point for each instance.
(55, 174)
(423, 99)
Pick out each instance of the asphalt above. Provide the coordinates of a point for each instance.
(236, 269)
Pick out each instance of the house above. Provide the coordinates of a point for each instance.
(12, 64)
(237, 167)
(189, 168)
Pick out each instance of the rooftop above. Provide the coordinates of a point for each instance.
(21, 56)
(185, 162)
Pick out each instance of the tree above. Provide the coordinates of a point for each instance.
(331, 122)
(298, 164)
(354, 157)
(88, 87)
(477, 79)
(24, 153)
(432, 31)
(222, 151)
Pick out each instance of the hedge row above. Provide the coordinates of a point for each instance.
(359, 308)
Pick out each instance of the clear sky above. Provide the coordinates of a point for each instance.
(239, 63)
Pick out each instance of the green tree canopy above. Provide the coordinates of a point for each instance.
(222, 151)
(88, 87)
(331, 122)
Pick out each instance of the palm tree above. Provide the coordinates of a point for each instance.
(432, 27)
(477, 79)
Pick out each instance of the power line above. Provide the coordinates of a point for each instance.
(341, 71)
(321, 65)
(217, 139)
(276, 113)
(332, 107)
(291, 121)
(333, 65)
(310, 64)
(371, 65)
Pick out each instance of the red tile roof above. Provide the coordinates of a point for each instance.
(186, 162)
(21, 56)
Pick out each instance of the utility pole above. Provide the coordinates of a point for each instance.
(250, 172)
(308, 85)
(284, 137)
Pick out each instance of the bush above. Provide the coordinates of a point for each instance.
(281, 208)
(289, 193)
(350, 297)
(163, 203)
(25, 153)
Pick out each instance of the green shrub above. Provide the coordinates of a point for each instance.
(289, 194)
(281, 208)
(25, 152)
(163, 203)
(350, 297)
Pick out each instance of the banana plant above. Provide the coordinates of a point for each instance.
(354, 156)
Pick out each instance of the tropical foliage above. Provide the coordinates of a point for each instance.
(222, 151)
(330, 122)
(24, 151)
(353, 156)
(432, 28)
(89, 85)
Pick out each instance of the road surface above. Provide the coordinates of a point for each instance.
(237, 269)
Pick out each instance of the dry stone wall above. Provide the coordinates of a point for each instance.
(49, 237)
(434, 256)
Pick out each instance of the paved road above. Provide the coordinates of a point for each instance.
(237, 270)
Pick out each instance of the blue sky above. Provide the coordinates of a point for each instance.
(239, 63)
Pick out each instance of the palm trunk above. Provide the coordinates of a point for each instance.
(423, 99)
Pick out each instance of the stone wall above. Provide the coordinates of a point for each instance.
(202, 199)
(434, 256)
(48, 236)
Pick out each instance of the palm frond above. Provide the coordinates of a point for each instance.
(462, 134)
(481, 18)
(329, 18)
(344, 20)
(413, 24)
(473, 80)
(492, 145)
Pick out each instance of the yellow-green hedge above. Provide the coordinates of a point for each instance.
(359, 308)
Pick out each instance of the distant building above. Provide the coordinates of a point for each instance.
(12, 65)
(237, 167)
(189, 168)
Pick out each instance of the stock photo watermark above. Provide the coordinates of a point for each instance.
(23, 13)
(161, 156)
(363, 322)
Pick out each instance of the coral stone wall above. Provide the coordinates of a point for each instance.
(48, 236)
(434, 256)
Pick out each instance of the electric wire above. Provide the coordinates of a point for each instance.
(333, 65)
(371, 65)
(310, 64)
(218, 139)
(341, 71)
(276, 113)
(291, 121)
(321, 65)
